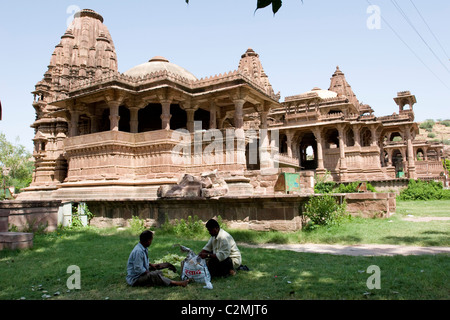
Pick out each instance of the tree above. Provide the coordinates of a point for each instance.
(16, 166)
(276, 4)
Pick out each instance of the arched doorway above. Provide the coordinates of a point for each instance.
(397, 162)
(308, 152)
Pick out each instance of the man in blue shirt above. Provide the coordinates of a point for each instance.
(140, 272)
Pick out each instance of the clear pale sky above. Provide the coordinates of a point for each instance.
(299, 47)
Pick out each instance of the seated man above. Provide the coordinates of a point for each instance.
(140, 272)
(222, 254)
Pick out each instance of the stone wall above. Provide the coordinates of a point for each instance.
(255, 213)
(371, 204)
(31, 215)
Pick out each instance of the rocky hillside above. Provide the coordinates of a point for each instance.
(436, 130)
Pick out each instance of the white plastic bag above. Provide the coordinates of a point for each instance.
(195, 268)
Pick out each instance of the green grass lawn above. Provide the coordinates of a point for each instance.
(101, 255)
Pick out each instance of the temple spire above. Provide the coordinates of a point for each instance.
(340, 85)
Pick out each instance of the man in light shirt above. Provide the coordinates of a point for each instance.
(222, 254)
(141, 273)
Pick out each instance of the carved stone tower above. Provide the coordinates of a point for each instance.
(86, 51)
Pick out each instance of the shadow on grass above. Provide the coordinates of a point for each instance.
(426, 238)
(102, 256)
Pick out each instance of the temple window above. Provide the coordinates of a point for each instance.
(332, 139)
(350, 138)
(366, 137)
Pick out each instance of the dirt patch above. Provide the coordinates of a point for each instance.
(425, 219)
(353, 250)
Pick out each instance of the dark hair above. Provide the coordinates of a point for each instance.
(146, 235)
(211, 224)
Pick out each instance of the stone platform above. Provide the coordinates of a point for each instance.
(15, 240)
(12, 240)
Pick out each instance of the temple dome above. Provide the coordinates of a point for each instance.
(323, 94)
(157, 64)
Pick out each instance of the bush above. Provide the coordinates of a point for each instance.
(427, 124)
(193, 228)
(352, 187)
(137, 225)
(333, 187)
(431, 135)
(324, 210)
(445, 123)
(324, 187)
(423, 190)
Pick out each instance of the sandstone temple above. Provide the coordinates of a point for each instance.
(102, 135)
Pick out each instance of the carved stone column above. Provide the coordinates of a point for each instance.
(357, 135)
(289, 136)
(190, 119)
(134, 120)
(343, 162)
(239, 113)
(114, 115)
(318, 135)
(74, 118)
(165, 115)
(411, 160)
(212, 115)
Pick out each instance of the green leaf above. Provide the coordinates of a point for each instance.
(276, 5)
(263, 3)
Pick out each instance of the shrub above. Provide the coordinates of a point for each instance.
(446, 164)
(324, 187)
(445, 123)
(137, 225)
(423, 190)
(352, 187)
(427, 124)
(193, 228)
(324, 210)
(431, 135)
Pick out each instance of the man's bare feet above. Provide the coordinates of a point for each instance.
(232, 272)
(180, 283)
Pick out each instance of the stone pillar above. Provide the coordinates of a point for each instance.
(212, 115)
(389, 152)
(425, 153)
(165, 116)
(74, 118)
(94, 124)
(264, 143)
(134, 122)
(114, 115)
(318, 134)
(239, 113)
(190, 119)
(357, 135)
(411, 161)
(343, 162)
(289, 136)
(373, 132)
